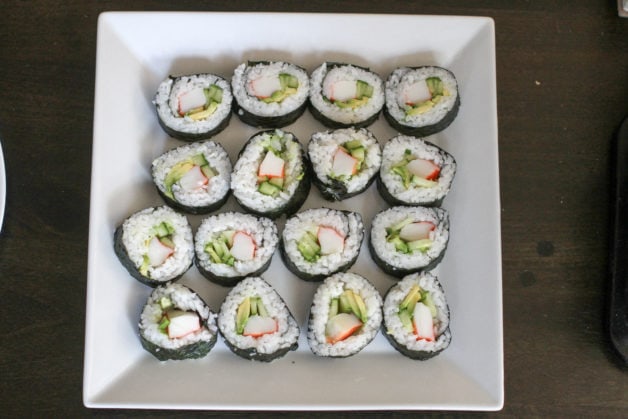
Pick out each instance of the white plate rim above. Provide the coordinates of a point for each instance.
(92, 401)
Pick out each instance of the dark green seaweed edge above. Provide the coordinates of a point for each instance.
(194, 210)
(230, 281)
(279, 121)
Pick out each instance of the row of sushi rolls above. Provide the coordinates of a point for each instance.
(271, 177)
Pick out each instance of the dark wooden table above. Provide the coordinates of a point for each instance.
(562, 79)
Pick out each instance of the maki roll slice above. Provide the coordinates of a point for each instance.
(194, 178)
(319, 242)
(421, 101)
(405, 240)
(270, 94)
(415, 172)
(193, 107)
(271, 175)
(345, 161)
(177, 324)
(231, 246)
(256, 323)
(416, 317)
(155, 245)
(345, 316)
(345, 95)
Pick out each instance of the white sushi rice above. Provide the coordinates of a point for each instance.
(246, 99)
(261, 229)
(288, 330)
(183, 299)
(324, 76)
(403, 77)
(391, 216)
(348, 224)
(217, 187)
(332, 287)
(244, 176)
(137, 231)
(323, 146)
(167, 102)
(394, 152)
(395, 328)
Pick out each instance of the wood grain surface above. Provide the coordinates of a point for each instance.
(562, 69)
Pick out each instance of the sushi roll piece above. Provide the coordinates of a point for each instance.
(256, 323)
(416, 317)
(319, 242)
(177, 324)
(194, 178)
(193, 107)
(271, 175)
(231, 246)
(345, 95)
(415, 172)
(345, 161)
(155, 245)
(421, 101)
(405, 240)
(345, 316)
(269, 94)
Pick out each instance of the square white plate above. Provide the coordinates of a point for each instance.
(138, 50)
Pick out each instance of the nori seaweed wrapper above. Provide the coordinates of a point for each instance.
(229, 281)
(337, 190)
(400, 272)
(425, 130)
(191, 351)
(194, 210)
(392, 201)
(310, 277)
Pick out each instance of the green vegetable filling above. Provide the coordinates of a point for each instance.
(348, 302)
(364, 92)
(289, 85)
(273, 186)
(213, 98)
(406, 307)
(437, 91)
(308, 247)
(163, 231)
(219, 248)
(403, 246)
(407, 178)
(181, 168)
(250, 306)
